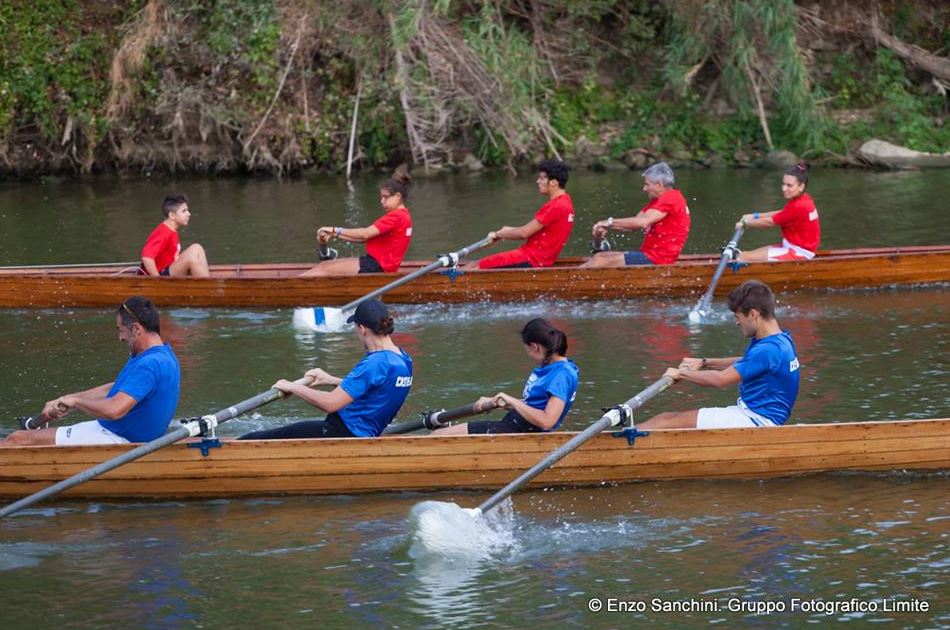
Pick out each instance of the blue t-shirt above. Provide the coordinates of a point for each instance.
(769, 371)
(152, 378)
(558, 379)
(378, 385)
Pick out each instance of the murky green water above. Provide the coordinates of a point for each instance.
(345, 561)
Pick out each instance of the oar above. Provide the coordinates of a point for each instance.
(612, 418)
(437, 419)
(189, 428)
(702, 306)
(327, 319)
(68, 266)
(599, 245)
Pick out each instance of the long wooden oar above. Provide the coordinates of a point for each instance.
(327, 319)
(438, 419)
(701, 309)
(190, 428)
(612, 418)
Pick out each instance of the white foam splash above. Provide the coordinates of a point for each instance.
(440, 529)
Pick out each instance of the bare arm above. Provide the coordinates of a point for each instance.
(350, 235)
(522, 233)
(706, 378)
(542, 418)
(57, 408)
(629, 224)
(327, 401)
(113, 408)
(148, 264)
(764, 221)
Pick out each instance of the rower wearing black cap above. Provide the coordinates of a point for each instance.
(364, 402)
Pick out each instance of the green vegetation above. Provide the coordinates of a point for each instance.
(245, 85)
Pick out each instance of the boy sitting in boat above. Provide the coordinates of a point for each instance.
(665, 220)
(136, 407)
(162, 255)
(767, 374)
(546, 233)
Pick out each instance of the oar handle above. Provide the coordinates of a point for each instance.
(437, 419)
(444, 260)
(613, 417)
(189, 428)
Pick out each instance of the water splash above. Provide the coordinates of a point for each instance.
(445, 530)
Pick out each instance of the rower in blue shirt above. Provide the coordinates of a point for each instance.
(767, 374)
(367, 399)
(548, 393)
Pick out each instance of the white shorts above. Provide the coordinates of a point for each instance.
(787, 251)
(733, 417)
(86, 433)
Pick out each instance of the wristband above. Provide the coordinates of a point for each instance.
(755, 215)
(703, 364)
(339, 232)
(610, 222)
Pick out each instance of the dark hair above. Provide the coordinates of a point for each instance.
(753, 294)
(543, 333)
(799, 171)
(398, 182)
(173, 201)
(384, 326)
(555, 169)
(139, 310)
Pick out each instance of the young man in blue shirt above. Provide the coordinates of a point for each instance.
(136, 407)
(767, 374)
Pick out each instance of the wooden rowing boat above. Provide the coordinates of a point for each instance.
(353, 465)
(277, 285)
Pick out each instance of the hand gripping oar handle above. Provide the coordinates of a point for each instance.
(703, 304)
(189, 428)
(444, 260)
(437, 419)
(612, 418)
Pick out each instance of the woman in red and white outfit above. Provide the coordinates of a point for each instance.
(801, 231)
(387, 239)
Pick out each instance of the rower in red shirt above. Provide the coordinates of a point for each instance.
(801, 230)
(546, 233)
(387, 239)
(162, 255)
(665, 219)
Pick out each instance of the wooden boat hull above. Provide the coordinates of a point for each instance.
(278, 286)
(342, 466)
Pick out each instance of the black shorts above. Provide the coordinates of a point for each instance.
(330, 427)
(368, 264)
(513, 422)
(164, 272)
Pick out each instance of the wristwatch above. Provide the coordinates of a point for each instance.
(610, 222)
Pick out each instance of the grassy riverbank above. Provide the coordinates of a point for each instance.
(270, 85)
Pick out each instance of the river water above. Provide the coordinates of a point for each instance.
(344, 561)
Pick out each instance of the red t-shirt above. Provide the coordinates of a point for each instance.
(162, 245)
(395, 232)
(664, 239)
(799, 222)
(557, 217)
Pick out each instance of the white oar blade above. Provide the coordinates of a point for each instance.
(319, 319)
(695, 316)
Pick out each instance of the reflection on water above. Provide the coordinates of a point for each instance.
(347, 560)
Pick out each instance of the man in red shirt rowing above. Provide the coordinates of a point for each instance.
(545, 234)
(665, 219)
(162, 255)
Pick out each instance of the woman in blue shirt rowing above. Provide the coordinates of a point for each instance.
(367, 399)
(548, 393)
